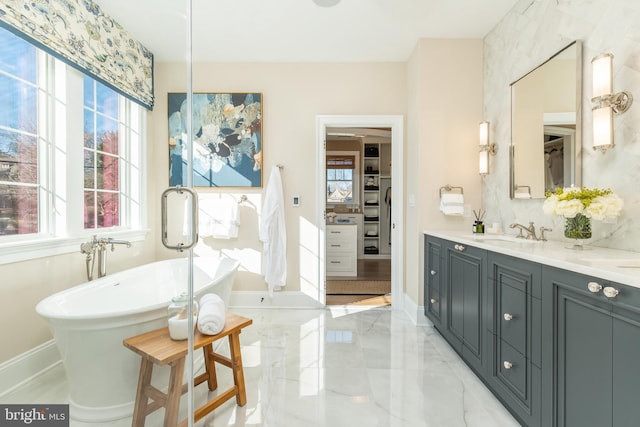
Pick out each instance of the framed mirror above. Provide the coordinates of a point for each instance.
(546, 137)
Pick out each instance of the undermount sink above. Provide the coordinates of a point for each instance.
(614, 262)
(501, 238)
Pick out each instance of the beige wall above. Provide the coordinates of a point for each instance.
(444, 111)
(293, 95)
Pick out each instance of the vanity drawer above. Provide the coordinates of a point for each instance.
(511, 317)
(341, 245)
(517, 381)
(511, 368)
(340, 233)
(340, 263)
(434, 304)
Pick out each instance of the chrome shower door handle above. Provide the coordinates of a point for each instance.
(192, 236)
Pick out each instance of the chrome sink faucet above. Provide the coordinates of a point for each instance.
(98, 247)
(531, 231)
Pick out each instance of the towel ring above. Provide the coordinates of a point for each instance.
(448, 188)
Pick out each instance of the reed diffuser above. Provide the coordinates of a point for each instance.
(478, 225)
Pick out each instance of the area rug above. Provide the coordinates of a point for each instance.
(358, 287)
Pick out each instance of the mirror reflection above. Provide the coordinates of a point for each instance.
(545, 126)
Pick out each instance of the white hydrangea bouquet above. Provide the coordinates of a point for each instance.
(580, 205)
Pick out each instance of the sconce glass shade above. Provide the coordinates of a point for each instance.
(484, 134)
(483, 165)
(486, 148)
(602, 128)
(602, 67)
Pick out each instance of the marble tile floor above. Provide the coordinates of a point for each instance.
(339, 366)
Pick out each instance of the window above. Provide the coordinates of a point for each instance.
(18, 136)
(46, 145)
(342, 178)
(101, 159)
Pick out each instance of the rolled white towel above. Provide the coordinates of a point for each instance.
(212, 314)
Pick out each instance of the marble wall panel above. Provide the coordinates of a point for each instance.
(528, 35)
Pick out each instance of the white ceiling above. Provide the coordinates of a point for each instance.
(299, 30)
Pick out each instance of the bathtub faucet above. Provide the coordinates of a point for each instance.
(98, 248)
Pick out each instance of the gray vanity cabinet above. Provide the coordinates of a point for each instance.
(558, 348)
(594, 344)
(454, 287)
(433, 280)
(465, 283)
(514, 335)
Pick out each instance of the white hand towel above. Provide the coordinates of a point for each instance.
(452, 204)
(218, 218)
(212, 314)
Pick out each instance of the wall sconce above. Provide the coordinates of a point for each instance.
(606, 103)
(486, 148)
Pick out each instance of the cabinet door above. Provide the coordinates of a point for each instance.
(466, 277)
(583, 360)
(626, 375)
(433, 273)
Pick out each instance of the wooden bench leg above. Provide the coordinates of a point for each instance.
(144, 379)
(210, 365)
(173, 394)
(236, 366)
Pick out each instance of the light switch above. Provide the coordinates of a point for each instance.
(296, 200)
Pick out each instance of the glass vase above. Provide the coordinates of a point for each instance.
(577, 228)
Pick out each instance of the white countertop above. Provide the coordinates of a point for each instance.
(609, 264)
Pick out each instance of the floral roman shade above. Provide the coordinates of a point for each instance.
(80, 34)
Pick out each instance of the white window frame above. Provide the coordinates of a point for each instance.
(61, 164)
(355, 181)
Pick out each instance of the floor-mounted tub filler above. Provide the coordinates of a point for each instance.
(89, 322)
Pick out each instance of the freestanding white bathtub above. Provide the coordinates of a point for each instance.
(89, 322)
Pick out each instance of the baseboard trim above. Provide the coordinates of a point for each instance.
(415, 312)
(261, 299)
(27, 366)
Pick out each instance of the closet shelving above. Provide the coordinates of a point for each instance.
(371, 199)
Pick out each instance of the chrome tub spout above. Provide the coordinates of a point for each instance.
(97, 248)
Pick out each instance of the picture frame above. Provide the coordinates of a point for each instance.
(227, 139)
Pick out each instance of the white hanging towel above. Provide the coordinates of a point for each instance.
(218, 218)
(452, 204)
(273, 233)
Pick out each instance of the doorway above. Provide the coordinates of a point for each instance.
(378, 270)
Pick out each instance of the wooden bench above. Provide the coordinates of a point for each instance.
(157, 348)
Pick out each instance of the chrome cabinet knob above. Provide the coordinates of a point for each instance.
(433, 300)
(594, 287)
(610, 292)
(458, 247)
(507, 364)
(433, 272)
(507, 317)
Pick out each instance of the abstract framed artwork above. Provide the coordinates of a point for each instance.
(227, 139)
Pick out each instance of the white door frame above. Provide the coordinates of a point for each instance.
(396, 123)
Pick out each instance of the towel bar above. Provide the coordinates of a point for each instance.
(448, 188)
